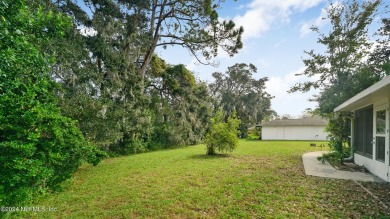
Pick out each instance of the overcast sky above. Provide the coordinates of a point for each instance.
(276, 33)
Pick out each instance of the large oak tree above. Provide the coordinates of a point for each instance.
(237, 91)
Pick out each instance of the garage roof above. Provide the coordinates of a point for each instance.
(377, 91)
(308, 121)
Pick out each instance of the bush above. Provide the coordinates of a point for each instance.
(340, 146)
(39, 148)
(335, 158)
(223, 136)
(128, 146)
(336, 144)
(340, 151)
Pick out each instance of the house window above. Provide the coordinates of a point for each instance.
(380, 139)
(380, 148)
(380, 122)
(363, 131)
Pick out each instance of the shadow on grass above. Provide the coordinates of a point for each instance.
(208, 157)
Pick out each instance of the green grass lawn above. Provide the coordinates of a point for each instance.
(261, 179)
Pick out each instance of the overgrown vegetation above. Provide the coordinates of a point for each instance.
(39, 148)
(125, 98)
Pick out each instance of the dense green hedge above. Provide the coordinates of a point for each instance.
(39, 148)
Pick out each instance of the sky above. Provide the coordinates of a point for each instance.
(276, 34)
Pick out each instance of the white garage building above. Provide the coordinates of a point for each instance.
(309, 128)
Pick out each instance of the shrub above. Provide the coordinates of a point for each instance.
(340, 151)
(335, 158)
(39, 148)
(223, 136)
(336, 144)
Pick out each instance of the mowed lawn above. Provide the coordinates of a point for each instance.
(261, 179)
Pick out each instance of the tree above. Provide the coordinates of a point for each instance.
(308, 112)
(342, 70)
(380, 59)
(223, 136)
(286, 116)
(181, 105)
(106, 73)
(192, 24)
(237, 91)
(347, 45)
(39, 148)
(99, 76)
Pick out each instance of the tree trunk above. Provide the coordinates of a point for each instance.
(146, 62)
(210, 150)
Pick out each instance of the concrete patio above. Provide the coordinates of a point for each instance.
(314, 167)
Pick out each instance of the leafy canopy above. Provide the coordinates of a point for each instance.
(237, 90)
(181, 105)
(39, 148)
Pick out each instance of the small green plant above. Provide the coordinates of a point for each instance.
(336, 144)
(335, 158)
(223, 136)
(253, 133)
(341, 148)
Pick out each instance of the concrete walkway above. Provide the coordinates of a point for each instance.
(314, 167)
